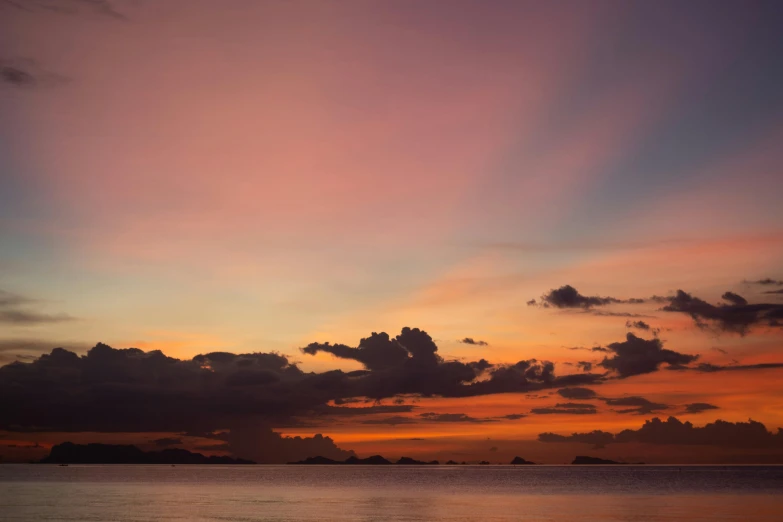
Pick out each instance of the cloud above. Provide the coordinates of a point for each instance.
(710, 368)
(391, 421)
(167, 441)
(585, 366)
(569, 297)
(733, 298)
(773, 291)
(29, 349)
(260, 444)
(636, 356)
(567, 408)
(737, 317)
(470, 340)
(22, 73)
(129, 390)
(410, 364)
(749, 434)
(641, 325)
(67, 7)
(597, 438)
(15, 310)
(638, 405)
(577, 393)
(451, 417)
(698, 407)
(513, 416)
(16, 76)
(766, 282)
(23, 317)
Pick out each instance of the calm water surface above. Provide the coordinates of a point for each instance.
(398, 493)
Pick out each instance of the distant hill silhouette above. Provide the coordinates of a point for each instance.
(373, 461)
(520, 460)
(582, 459)
(70, 453)
(410, 461)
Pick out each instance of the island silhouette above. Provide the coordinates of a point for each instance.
(94, 453)
(70, 453)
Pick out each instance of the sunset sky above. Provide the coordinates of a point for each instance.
(526, 182)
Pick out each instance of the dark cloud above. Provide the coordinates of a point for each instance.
(24, 317)
(710, 368)
(16, 76)
(264, 446)
(749, 434)
(604, 313)
(737, 317)
(733, 298)
(637, 405)
(167, 441)
(585, 366)
(470, 340)
(641, 325)
(597, 438)
(368, 410)
(773, 291)
(27, 74)
(15, 310)
(698, 407)
(569, 297)
(391, 421)
(29, 349)
(451, 417)
(566, 408)
(577, 393)
(410, 364)
(766, 282)
(513, 416)
(66, 7)
(636, 356)
(129, 390)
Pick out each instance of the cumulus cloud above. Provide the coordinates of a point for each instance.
(113, 390)
(636, 356)
(577, 393)
(736, 317)
(599, 439)
(749, 434)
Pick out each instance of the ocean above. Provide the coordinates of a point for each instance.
(398, 493)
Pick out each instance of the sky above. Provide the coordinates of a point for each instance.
(521, 227)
